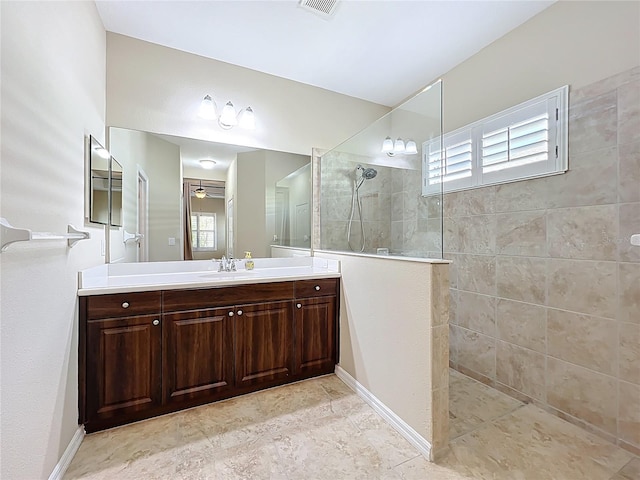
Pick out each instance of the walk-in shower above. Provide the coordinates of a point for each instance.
(361, 174)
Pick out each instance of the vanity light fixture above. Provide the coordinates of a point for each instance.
(228, 117)
(392, 148)
(207, 163)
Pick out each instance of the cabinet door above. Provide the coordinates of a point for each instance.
(123, 366)
(264, 343)
(197, 355)
(315, 345)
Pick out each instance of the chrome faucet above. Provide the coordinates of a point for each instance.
(227, 264)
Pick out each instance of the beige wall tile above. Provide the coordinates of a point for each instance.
(629, 112)
(476, 201)
(582, 393)
(583, 286)
(453, 268)
(451, 238)
(603, 86)
(522, 324)
(521, 369)
(588, 341)
(440, 409)
(629, 368)
(477, 273)
(522, 233)
(583, 232)
(477, 234)
(439, 294)
(629, 186)
(454, 340)
(522, 195)
(440, 356)
(629, 225)
(588, 182)
(453, 306)
(521, 278)
(477, 352)
(629, 292)
(477, 312)
(593, 123)
(629, 413)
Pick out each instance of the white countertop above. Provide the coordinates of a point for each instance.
(143, 277)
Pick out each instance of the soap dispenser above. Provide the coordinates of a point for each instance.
(248, 262)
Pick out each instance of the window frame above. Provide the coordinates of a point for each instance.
(195, 236)
(555, 104)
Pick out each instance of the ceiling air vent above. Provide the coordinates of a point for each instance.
(324, 8)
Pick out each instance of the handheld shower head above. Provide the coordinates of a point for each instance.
(367, 173)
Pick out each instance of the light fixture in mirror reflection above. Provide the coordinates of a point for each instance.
(251, 186)
(398, 147)
(104, 186)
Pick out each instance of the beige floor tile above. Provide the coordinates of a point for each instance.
(472, 403)
(531, 444)
(321, 430)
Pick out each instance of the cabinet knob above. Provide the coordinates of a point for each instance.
(239, 312)
(156, 322)
(317, 287)
(125, 304)
(231, 314)
(298, 305)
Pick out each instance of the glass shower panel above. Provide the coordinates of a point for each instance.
(371, 186)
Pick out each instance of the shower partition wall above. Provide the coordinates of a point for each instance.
(371, 190)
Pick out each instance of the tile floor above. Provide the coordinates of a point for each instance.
(319, 429)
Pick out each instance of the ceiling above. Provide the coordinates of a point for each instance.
(382, 51)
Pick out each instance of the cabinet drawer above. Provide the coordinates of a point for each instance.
(316, 288)
(123, 304)
(177, 300)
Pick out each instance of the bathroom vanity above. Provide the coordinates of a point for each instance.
(149, 345)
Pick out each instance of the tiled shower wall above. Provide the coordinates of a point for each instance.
(545, 284)
(395, 214)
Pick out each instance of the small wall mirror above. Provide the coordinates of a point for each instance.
(98, 182)
(105, 186)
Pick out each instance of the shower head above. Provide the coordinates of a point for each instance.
(367, 173)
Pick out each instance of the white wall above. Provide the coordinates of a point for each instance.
(52, 95)
(559, 46)
(158, 89)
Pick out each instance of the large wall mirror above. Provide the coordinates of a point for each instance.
(175, 206)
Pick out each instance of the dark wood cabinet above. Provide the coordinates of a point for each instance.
(124, 366)
(264, 341)
(315, 337)
(197, 355)
(149, 353)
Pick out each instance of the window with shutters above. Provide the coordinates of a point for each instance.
(203, 231)
(522, 142)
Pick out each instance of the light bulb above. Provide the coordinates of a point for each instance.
(207, 108)
(228, 117)
(398, 146)
(200, 192)
(411, 148)
(387, 145)
(102, 152)
(248, 119)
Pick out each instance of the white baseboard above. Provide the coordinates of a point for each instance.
(402, 427)
(67, 456)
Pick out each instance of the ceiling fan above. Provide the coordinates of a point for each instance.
(209, 191)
